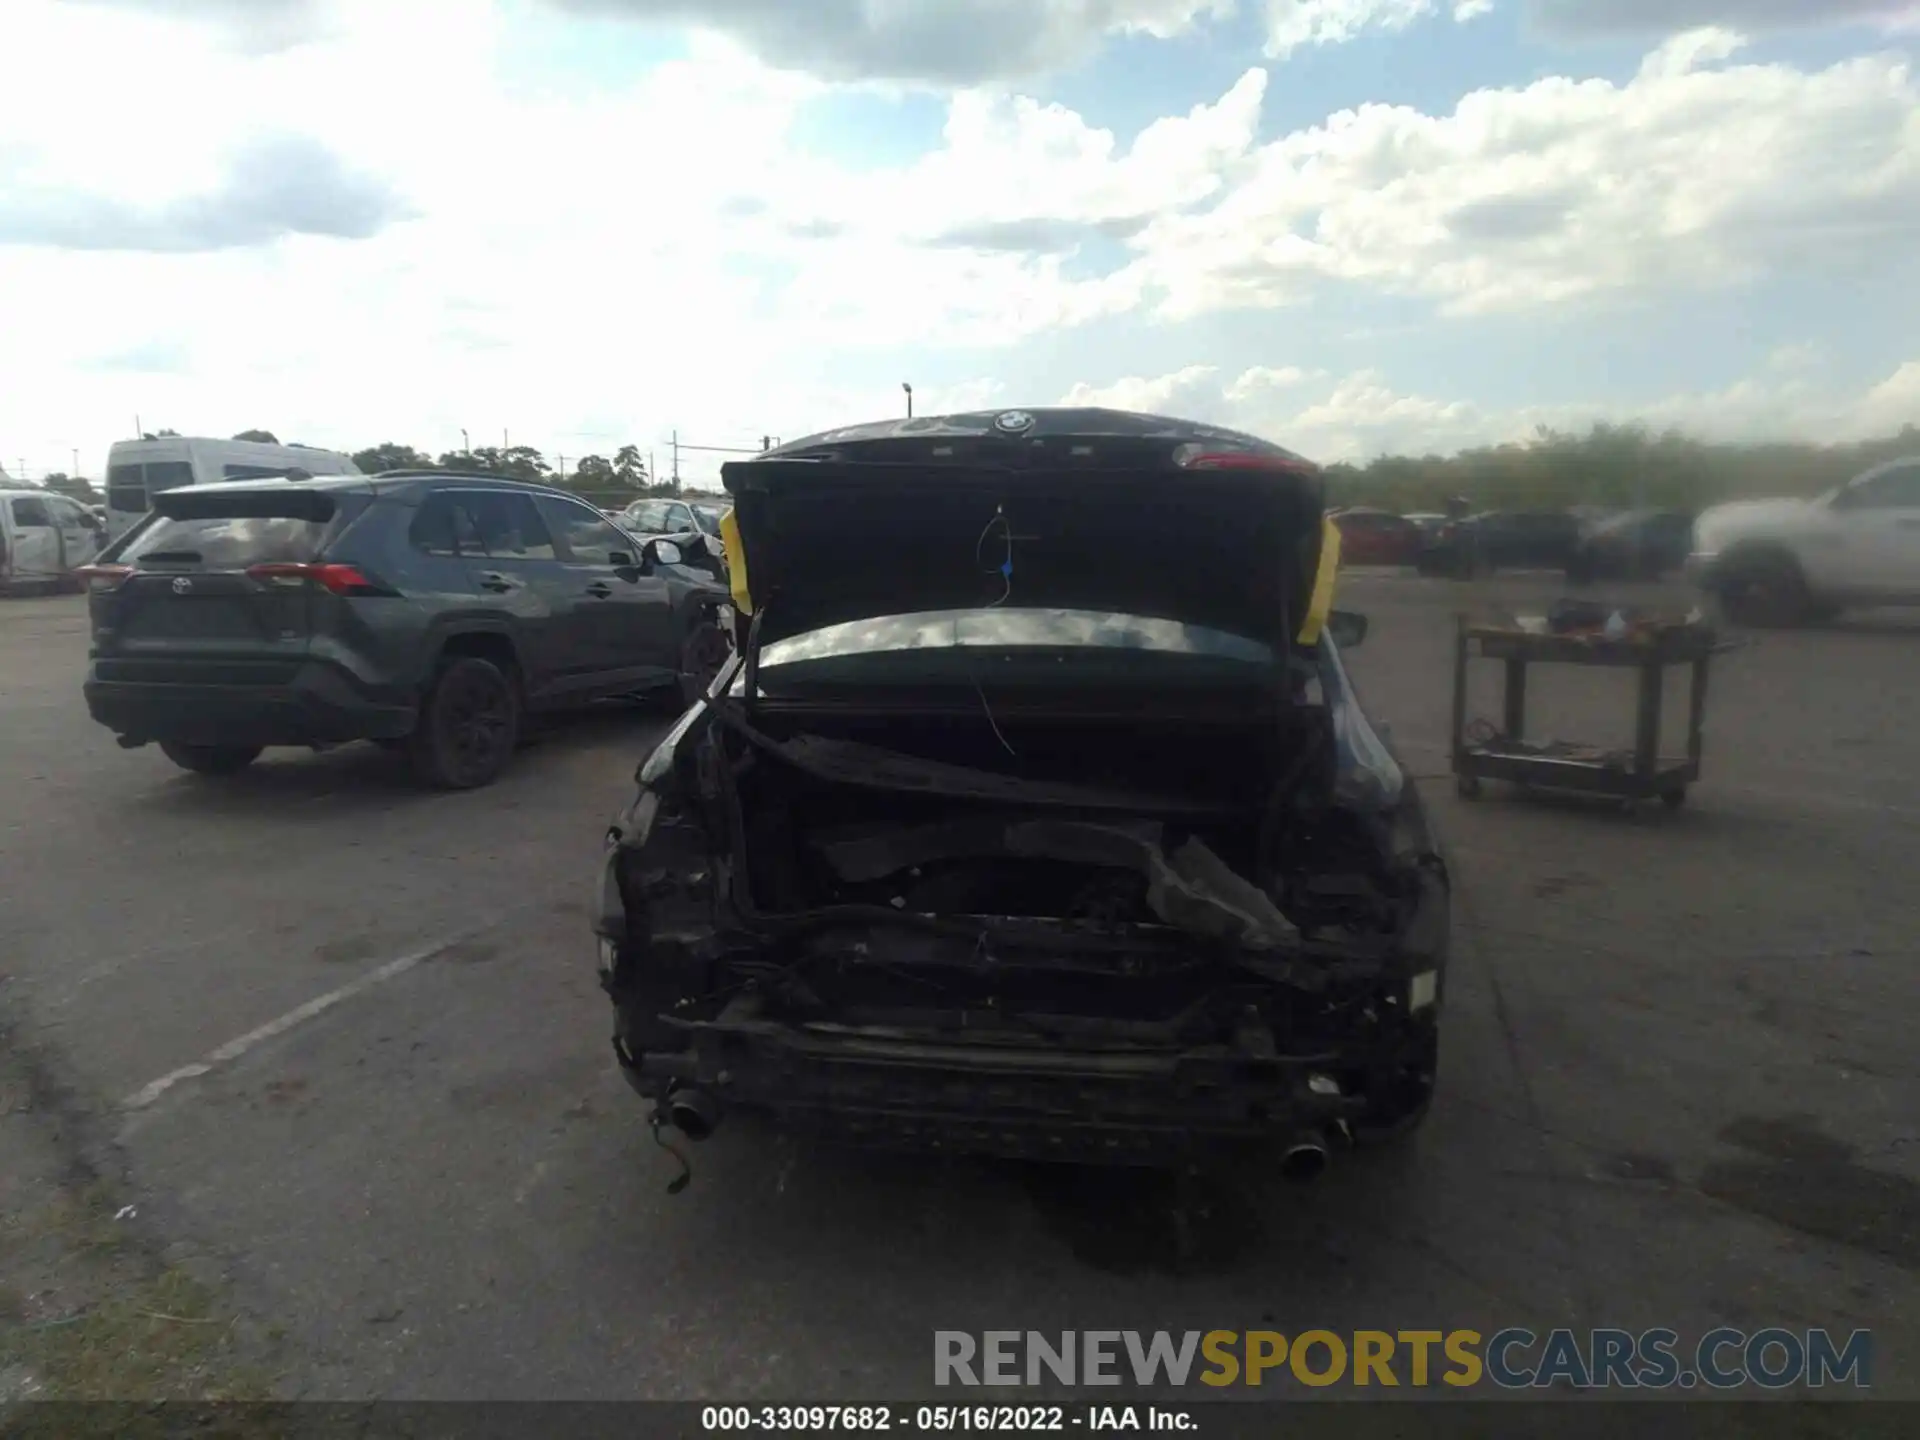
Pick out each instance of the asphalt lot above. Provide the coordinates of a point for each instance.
(1679, 1086)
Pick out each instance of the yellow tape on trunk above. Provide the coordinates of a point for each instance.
(736, 562)
(1322, 602)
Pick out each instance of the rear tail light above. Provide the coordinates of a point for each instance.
(1194, 457)
(103, 578)
(339, 579)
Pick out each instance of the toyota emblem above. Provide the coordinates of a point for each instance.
(181, 585)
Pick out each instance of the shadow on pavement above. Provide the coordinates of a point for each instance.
(363, 773)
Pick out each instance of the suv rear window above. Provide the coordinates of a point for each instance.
(252, 531)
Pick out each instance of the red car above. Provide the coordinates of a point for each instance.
(1376, 537)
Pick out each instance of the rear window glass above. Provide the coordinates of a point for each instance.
(509, 526)
(444, 526)
(228, 542)
(650, 516)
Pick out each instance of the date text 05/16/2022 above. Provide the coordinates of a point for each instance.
(940, 1419)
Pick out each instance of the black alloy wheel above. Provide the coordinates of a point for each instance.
(469, 725)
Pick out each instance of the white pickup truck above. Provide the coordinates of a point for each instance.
(1785, 562)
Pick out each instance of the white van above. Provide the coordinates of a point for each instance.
(44, 538)
(137, 470)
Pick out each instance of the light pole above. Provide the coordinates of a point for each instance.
(466, 445)
(909, 390)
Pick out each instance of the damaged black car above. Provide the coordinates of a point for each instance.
(1035, 815)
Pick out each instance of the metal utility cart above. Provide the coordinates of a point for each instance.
(1629, 776)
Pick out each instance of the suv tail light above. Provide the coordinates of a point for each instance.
(1193, 457)
(103, 578)
(339, 579)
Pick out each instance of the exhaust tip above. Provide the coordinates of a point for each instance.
(1304, 1159)
(694, 1113)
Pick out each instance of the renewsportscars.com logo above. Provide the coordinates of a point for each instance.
(1513, 1359)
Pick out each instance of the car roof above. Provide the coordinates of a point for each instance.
(1872, 472)
(386, 480)
(900, 438)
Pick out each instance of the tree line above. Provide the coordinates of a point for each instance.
(618, 478)
(622, 474)
(1613, 466)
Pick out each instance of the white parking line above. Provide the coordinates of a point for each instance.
(299, 1015)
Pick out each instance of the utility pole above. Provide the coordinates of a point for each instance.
(466, 445)
(909, 389)
(505, 444)
(676, 462)
(75, 472)
(137, 431)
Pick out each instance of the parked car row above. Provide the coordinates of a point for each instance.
(1765, 562)
(1636, 544)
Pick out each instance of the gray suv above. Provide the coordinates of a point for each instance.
(431, 612)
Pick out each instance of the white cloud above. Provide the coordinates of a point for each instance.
(1257, 381)
(1890, 406)
(260, 26)
(1292, 24)
(946, 42)
(1582, 18)
(1691, 173)
(591, 264)
(1152, 395)
(1359, 415)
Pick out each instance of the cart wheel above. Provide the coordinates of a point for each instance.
(1467, 786)
(1673, 799)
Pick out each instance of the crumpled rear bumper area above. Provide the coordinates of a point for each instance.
(993, 1092)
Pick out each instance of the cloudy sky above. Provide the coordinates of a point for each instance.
(1354, 225)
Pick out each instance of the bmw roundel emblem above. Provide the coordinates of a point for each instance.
(182, 585)
(1014, 422)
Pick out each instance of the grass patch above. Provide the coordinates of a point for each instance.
(160, 1340)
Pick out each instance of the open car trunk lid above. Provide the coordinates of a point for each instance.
(1078, 510)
